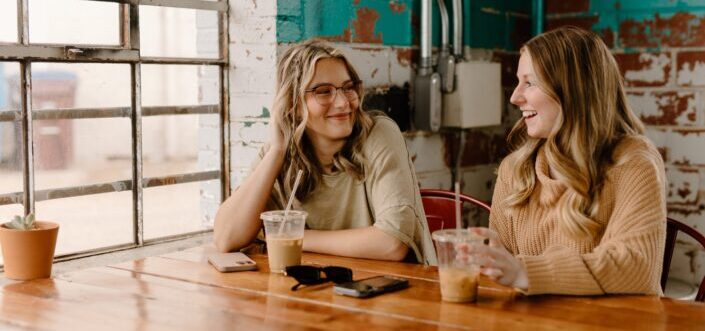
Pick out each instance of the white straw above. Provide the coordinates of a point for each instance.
(457, 206)
(291, 200)
(293, 191)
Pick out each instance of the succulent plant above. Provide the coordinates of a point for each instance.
(21, 223)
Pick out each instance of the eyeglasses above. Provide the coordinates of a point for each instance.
(325, 94)
(311, 275)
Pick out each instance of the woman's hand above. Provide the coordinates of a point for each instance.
(494, 260)
(276, 134)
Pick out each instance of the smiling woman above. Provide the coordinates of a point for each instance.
(358, 185)
(579, 204)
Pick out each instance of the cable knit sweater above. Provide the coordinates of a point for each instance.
(625, 257)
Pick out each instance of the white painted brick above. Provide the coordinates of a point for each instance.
(255, 56)
(254, 30)
(249, 132)
(478, 181)
(434, 179)
(683, 185)
(400, 71)
(255, 7)
(250, 105)
(654, 72)
(427, 152)
(242, 155)
(208, 139)
(692, 74)
(257, 81)
(237, 175)
(208, 160)
(686, 147)
(651, 104)
(209, 121)
(372, 64)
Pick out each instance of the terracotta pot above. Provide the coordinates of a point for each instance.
(29, 254)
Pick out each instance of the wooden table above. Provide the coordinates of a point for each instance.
(180, 291)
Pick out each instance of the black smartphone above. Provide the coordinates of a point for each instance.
(372, 286)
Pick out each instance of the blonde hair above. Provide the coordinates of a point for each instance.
(575, 68)
(295, 70)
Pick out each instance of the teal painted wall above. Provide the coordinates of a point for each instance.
(494, 24)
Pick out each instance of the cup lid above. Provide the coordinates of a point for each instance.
(278, 215)
(456, 235)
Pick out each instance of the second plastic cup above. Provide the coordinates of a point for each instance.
(285, 237)
(458, 277)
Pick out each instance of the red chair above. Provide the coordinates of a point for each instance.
(672, 229)
(439, 206)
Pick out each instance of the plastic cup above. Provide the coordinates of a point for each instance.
(284, 232)
(458, 277)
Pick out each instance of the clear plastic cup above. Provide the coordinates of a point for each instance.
(458, 277)
(285, 237)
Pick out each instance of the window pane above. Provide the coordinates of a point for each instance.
(81, 152)
(178, 32)
(180, 144)
(180, 85)
(90, 221)
(10, 131)
(74, 22)
(80, 85)
(181, 208)
(8, 21)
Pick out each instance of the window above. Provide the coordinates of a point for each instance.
(123, 103)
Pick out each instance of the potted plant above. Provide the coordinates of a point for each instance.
(28, 247)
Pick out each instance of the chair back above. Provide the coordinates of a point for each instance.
(672, 228)
(439, 206)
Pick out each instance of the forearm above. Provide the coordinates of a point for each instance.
(237, 221)
(368, 243)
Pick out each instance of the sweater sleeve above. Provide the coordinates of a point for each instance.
(629, 256)
(500, 220)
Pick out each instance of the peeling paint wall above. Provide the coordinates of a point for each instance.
(660, 47)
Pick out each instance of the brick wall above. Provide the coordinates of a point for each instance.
(660, 47)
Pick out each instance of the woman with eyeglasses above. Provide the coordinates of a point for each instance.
(358, 185)
(579, 205)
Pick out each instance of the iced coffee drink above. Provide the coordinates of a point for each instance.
(283, 252)
(458, 277)
(458, 285)
(284, 232)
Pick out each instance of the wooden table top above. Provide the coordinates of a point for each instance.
(181, 291)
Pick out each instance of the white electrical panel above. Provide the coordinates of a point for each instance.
(477, 99)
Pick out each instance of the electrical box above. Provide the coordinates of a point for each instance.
(477, 99)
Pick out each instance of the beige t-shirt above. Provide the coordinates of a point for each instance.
(388, 198)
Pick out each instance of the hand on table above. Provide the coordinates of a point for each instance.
(495, 261)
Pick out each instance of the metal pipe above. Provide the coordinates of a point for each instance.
(538, 14)
(458, 30)
(444, 24)
(426, 30)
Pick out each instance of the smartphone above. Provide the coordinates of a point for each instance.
(227, 262)
(369, 287)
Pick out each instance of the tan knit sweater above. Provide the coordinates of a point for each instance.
(626, 257)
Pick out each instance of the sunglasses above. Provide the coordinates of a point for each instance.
(312, 275)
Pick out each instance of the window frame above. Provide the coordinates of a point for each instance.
(128, 52)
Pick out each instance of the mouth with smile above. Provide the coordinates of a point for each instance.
(527, 114)
(340, 116)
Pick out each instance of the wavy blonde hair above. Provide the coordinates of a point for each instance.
(575, 68)
(295, 71)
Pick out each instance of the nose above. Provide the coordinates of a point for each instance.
(517, 97)
(339, 99)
